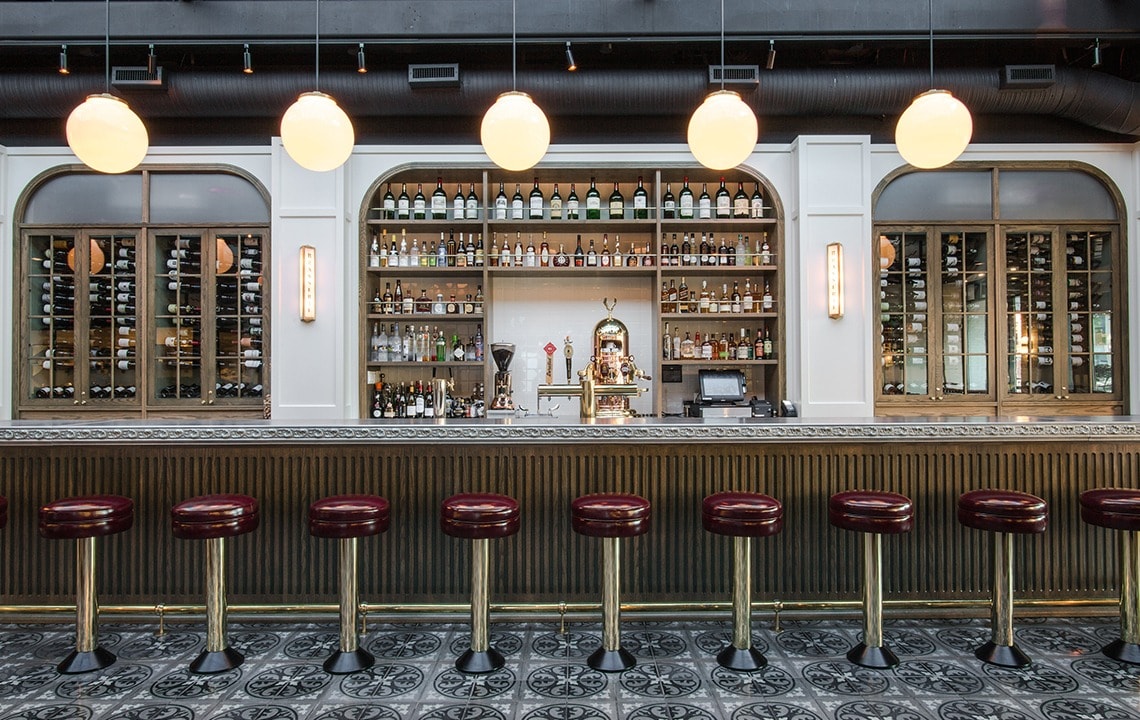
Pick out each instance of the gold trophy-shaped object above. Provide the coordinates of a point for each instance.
(503, 353)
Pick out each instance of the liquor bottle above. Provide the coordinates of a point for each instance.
(757, 202)
(687, 349)
(530, 258)
(555, 204)
(593, 202)
(389, 204)
(505, 254)
(398, 299)
(414, 255)
(617, 204)
(769, 351)
(479, 255)
(373, 343)
(403, 204)
(572, 204)
(668, 204)
(744, 348)
(707, 347)
(452, 307)
(617, 256)
(439, 201)
(736, 304)
(393, 254)
(592, 255)
(706, 257)
(723, 201)
(517, 203)
(665, 298)
(765, 251)
(740, 205)
(704, 203)
(674, 251)
(667, 344)
(703, 301)
(472, 204)
(544, 249)
(640, 201)
(685, 201)
(561, 259)
(686, 250)
(518, 259)
(423, 303)
(673, 296)
(741, 251)
(683, 298)
(746, 302)
(604, 258)
(479, 343)
(536, 202)
(440, 347)
(449, 249)
(725, 254)
(579, 256)
(419, 203)
(469, 249)
(766, 299)
(501, 203)
(758, 346)
(458, 203)
(479, 300)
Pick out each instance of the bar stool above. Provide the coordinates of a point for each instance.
(742, 516)
(1004, 513)
(348, 518)
(1119, 509)
(83, 519)
(610, 516)
(214, 518)
(479, 517)
(873, 513)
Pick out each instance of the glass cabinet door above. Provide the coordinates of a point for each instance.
(964, 288)
(178, 316)
(112, 347)
(239, 312)
(1030, 313)
(51, 338)
(1089, 318)
(904, 311)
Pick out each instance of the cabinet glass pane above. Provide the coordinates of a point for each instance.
(904, 313)
(1088, 285)
(965, 292)
(198, 197)
(88, 199)
(178, 316)
(1053, 195)
(1030, 312)
(937, 195)
(239, 315)
(51, 317)
(112, 345)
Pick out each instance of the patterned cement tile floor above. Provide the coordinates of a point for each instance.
(677, 677)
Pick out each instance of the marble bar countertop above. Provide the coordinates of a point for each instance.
(550, 430)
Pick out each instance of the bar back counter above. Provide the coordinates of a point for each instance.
(940, 567)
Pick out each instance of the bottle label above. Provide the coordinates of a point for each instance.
(722, 204)
(458, 208)
(757, 208)
(593, 203)
(671, 207)
(500, 208)
(686, 206)
(555, 208)
(617, 208)
(419, 206)
(705, 209)
(741, 207)
(536, 207)
(639, 202)
(572, 209)
(517, 210)
(438, 205)
(389, 205)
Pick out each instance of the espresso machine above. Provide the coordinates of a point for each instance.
(503, 353)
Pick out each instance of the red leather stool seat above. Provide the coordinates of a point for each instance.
(1116, 508)
(610, 515)
(86, 517)
(1006, 511)
(348, 516)
(478, 516)
(3, 511)
(871, 511)
(214, 516)
(742, 514)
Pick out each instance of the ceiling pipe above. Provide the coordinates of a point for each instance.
(1091, 98)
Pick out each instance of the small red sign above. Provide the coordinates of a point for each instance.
(549, 348)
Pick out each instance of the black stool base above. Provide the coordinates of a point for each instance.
(1122, 651)
(209, 663)
(345, 663)
(747, 660)
(83, 662)
(486, 661)
(1002, 655)
(872, 657)
(611, 660)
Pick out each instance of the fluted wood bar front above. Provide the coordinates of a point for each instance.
(545, 465)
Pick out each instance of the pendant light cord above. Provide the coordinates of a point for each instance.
(317, 51)
(514, 50)
(722, 45)
(107, 50)
(930, 22)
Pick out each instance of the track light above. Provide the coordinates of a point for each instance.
(571, 66)
(360, 66)
(771, 61)
(151, 62)
(246, 61)
(1096, 53)
(63, 69)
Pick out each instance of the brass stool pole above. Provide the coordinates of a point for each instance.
(611, 598)
(1001, 613)
(741, 593)
(1130, 587)
(480, 595)
(215, 595)
(348, 594)
(86, 608)
(872, 590)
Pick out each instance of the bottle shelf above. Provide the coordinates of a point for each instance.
(572, 226)
(394, 226)
(749, 223)
(415, 317)
(720, 316)
(470, 270)
(720, 363)
(430, 364)
(574, 270)
(699, 271)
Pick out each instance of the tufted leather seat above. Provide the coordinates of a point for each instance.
(742, 514)
(871, 511)
(1005, 511)
(613, 515)
(478, 516)
(348, 516)
(1115, 508)
(215, 516)
(86, 517)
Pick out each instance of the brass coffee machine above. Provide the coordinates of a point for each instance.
(503, 353)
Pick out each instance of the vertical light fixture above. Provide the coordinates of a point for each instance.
(103, 131)
(835, 281)
(63, 68)
(151, 61)
(246, 60)
(315, 131)
(571, 66)
(515, 132)
(937, 127)
(361, 67)
(723, 130)
(308, 284)
(770, 61)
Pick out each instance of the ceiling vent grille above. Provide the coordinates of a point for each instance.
(434, 75)
(1026, 77)
(137, 77)
(734, 74)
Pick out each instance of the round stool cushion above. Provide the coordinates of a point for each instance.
(742, 514)
(1116, 508)
(214, 516)
(348, 516)
(3, 511)
(1006, 511)
(478, 516)
(610, 515)
(86, 517)
(871, 511)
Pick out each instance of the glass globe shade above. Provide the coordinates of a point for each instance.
(723, 131)
(106, 134)
(515, 132)
(317, 133)
(934, 130)
(225, 259)
(96, 258)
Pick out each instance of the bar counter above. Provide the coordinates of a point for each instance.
(545, 463)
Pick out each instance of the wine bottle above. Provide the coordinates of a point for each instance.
(593, 202)
(536, 202)
(572, 204)
(685, 207)
(704, 203)
(723, 201)
(458, 203)
(757, 202)
(389, 204)
(403, 204)
(740, 205)
(555, 204)
(419, 204)
(479, 255)
(668, 204)
(617, 204)
(579, 255)
(501, 203)
(640, 201)
(517, 203)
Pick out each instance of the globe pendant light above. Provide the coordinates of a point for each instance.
(937, 127)
(515, 132)
(723, 130)
(315, 131)
(103, 131)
